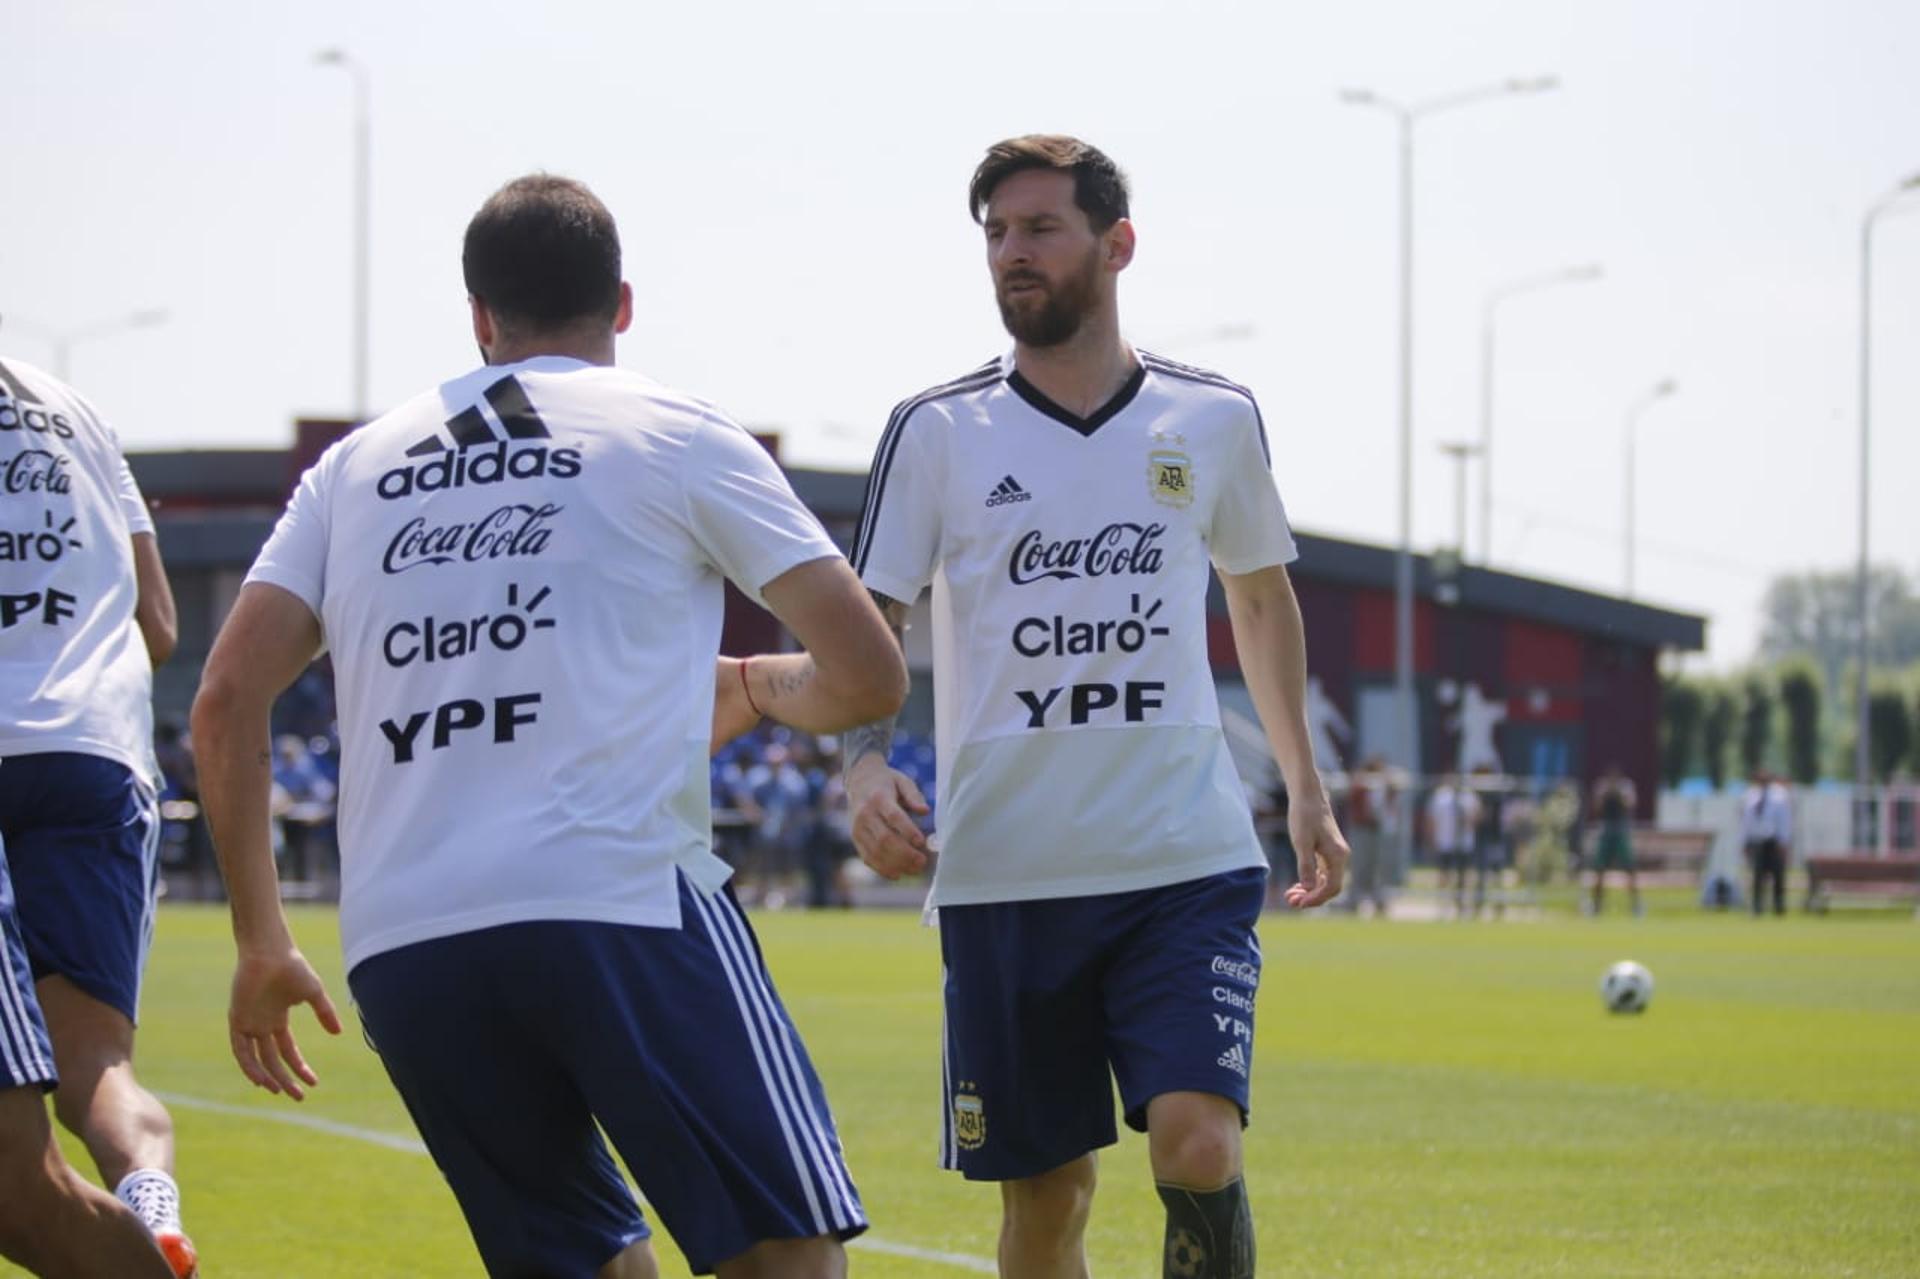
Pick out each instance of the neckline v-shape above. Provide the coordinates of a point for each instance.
(1034, 396)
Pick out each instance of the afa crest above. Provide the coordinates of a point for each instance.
(969, 1121)
(1170, 477)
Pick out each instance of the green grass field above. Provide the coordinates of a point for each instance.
(1431, 1100)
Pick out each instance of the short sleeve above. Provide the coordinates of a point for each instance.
(897, 546)
(742, 513)
(1249, 528)
(133, 506)
(295, 556)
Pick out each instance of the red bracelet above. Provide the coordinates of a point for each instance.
(748, 688)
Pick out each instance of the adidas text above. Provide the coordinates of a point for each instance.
(451, 470)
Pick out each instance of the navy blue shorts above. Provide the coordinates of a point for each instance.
(1044, 998)
(83, 838)
(26, 1054)
(509, 1044)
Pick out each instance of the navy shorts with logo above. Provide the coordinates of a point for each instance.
(1044, 998)
(83, 837)
(26, 1054)
(509, 1044)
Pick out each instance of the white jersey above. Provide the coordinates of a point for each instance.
(74, 671)
(520, 578)
(1077, 726)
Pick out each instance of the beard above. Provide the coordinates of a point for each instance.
(1053, 314)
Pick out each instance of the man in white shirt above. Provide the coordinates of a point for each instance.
(1099, 878)
(1766, 828)
(85, 615)
(519, 575)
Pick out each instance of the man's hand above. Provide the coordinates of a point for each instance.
(884, 802)
(1322, 852)
(265, 986)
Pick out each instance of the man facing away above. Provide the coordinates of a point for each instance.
(519, 575)
(85, 615)
(1099, 878)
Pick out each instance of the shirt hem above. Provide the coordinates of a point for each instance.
(652, 915)
(140, 767)
(1094, 886)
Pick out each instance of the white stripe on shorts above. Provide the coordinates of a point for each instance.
(24, 1058)
(828, 1159)
(703, 905)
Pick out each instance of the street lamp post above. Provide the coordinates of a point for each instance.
(1659, 391)
(1488, 315)
(1405, 116)
(1862, 755)
(1461, 451)
(63, 342)
(362, 182)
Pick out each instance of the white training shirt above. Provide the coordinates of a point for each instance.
(74, 670)
(1077, 726)
(519, 577)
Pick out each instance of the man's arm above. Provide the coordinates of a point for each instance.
(882, 802)
(153, 607)
(267, 641)
(852, 670)
(1273, 656)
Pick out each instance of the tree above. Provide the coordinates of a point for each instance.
(1756, 723)
(1681, 704)
(1800, 694)
(1716, 730)
(1816, 615)
(1892, 729)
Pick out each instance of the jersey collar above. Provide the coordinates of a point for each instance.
(1085, 425)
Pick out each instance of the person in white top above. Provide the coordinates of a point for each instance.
(1766, 828)
(1098, 876)
(1453, 819)
(85, 615)
(519, 575)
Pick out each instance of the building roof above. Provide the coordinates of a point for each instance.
(251, 484)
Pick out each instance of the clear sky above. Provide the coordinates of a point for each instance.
(790, 181)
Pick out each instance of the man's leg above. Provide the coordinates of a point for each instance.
(1757, 857)
(51, 1220)
(1193, 1141)
(821, 1257)
(634, 1262)
(1043, 1222)
(99, 1101)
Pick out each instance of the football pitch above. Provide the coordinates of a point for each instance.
(1430, 1099)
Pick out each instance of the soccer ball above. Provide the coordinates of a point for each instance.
(1627, 988)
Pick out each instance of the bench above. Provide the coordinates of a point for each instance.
(1670, 856)
(1861, 876)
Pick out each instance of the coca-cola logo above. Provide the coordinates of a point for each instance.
(36, 471)
(1116, 550)
(518, 531)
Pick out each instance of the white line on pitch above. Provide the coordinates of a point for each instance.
(411, 1146)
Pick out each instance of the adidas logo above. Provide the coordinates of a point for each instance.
(1234, 1059)
(1007, 492)
(477, 455)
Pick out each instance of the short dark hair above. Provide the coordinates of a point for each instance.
(1099, 188)
(543, 252)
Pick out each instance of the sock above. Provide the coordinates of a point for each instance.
(1209, 1232)
(152, 1196)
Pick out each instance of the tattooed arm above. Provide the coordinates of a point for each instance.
(883, 801)
(852, 670)
(877, 737)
